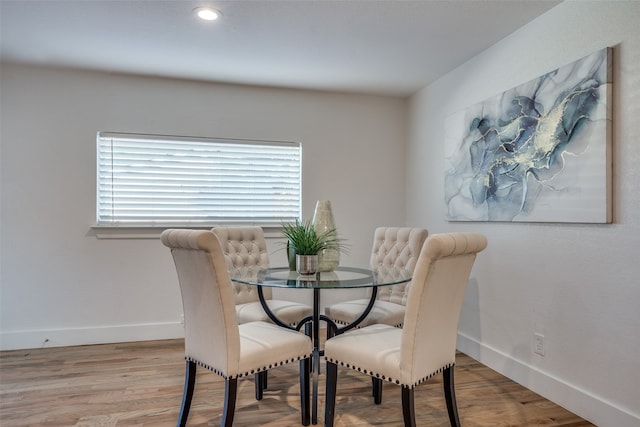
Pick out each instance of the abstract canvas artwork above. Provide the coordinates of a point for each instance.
(540, 152)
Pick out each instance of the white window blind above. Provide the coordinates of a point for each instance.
(150, 180)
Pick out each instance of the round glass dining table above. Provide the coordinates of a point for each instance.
(340, 278)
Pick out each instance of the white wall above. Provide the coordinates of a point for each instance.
(62, 284)
(579, 285)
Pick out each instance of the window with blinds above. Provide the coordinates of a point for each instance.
(151, 180)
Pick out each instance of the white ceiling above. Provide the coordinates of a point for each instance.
(388, 47)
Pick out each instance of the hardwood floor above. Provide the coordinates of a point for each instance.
(141, 384)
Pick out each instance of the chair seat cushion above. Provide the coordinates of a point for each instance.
(264, 345)
(385, 312)
(287, 311)
(373, 350)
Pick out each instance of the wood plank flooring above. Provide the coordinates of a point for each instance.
(140, 384)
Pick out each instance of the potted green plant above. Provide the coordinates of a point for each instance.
(305, 243)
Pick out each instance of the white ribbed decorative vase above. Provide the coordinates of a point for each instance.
(328, 259)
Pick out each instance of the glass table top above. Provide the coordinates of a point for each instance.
(341, 277)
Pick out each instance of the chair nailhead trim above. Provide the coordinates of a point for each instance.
(244, 374)
(392, 380)
(340, 322)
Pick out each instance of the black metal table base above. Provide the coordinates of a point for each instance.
(312, 327)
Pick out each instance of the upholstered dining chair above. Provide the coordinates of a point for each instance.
(245, 248)
(392, 247)
(213, 338)
(426, 345)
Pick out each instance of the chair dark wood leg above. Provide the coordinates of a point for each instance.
(450, 397)
(259, 385)
(308, 331)
(330, 331)
(230, 391)
(376, 385)
(330, 394)
(305, 394)
(187, 394)
(408, 410)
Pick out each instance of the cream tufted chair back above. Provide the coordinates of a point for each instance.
(207, 298)
(244, 248)
(426, 345)
(393, 247)
(435, 300)
(396, 247)
(213, 338)
(245, 253)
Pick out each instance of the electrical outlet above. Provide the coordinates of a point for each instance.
(538, 343)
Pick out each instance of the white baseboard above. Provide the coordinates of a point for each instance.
(584, 404)
(18, 340)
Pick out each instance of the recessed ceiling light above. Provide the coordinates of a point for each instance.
(207, 13)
